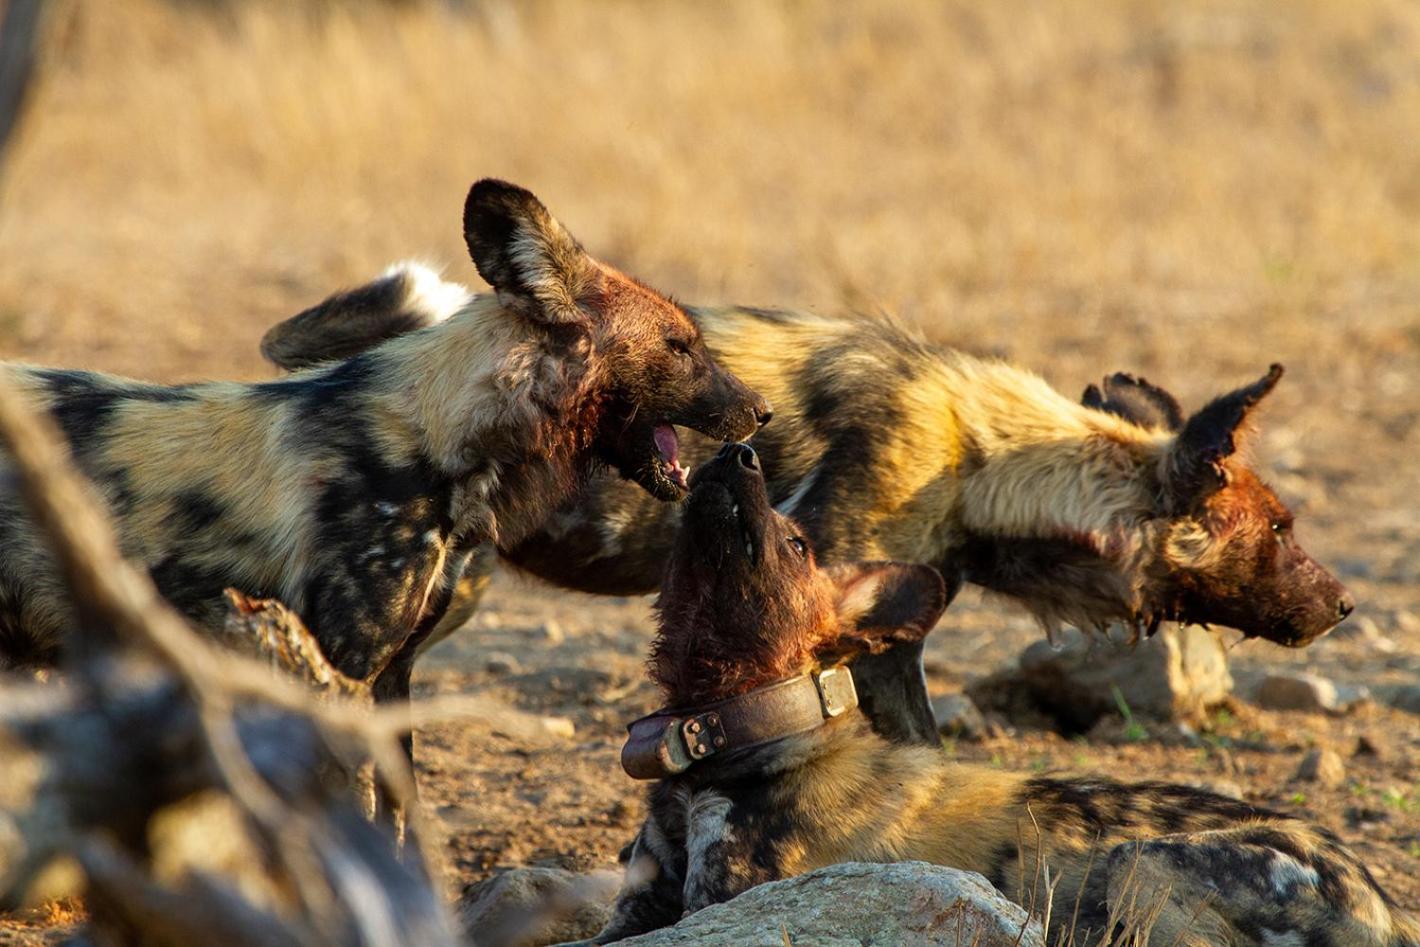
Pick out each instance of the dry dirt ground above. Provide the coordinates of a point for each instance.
(1190, 191)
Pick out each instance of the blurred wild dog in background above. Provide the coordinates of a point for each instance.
(355, 492)
(1118, 509)
(746, 609)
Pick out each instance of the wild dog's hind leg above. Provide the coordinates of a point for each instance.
(1264, 884)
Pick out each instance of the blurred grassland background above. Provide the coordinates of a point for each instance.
(1191, 190)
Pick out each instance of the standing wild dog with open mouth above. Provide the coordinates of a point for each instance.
(767, 768)
(355, 492)
(1120, 509)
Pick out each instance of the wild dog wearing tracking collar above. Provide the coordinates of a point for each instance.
(884, 447)
(745, 606)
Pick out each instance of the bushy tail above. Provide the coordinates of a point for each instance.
(407, 296)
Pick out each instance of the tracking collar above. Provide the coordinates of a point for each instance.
(668, 741)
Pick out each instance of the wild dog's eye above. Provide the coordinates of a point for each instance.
(1280, 528)
(799, 546)
(679, 346)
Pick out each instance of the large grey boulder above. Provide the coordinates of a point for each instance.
(1175, 675)
(904, 904)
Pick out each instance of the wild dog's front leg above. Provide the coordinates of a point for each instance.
(892, 688)
(368, 600)
(650, 897)
(727, 852)
(1278, 882)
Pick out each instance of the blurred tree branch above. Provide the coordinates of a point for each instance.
(19, 44)
(152, 726)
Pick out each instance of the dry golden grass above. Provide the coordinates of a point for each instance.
(1017, 175)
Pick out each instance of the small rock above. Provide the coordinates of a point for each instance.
(553, 632)
(1174, 675)
(1370, 745)
(1408, 622)
(906, 904)
(1297, 691)
(1220, 787)
(957, 716)
(1323, 767)
(559, 726)
(528, 906)
(1352, 697)
(1364, 629)
(1352, 568)
(1405, 697)
(500, 662)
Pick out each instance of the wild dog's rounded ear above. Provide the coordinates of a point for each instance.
(522, 251)
(1135, 400)
(1195, 463)
(884, 603)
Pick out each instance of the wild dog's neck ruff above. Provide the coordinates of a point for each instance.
(670, 741)
(499, 405)
(1059, 504)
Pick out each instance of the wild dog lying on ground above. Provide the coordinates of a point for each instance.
(1120, 509)
(764, 792)
(355, 492)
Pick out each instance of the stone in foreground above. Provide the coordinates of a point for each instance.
(906, 904)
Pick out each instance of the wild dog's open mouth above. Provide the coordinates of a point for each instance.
(648, 452)
(668, 453)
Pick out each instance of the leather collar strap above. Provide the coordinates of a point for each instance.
(667, 742)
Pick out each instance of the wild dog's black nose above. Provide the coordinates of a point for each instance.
(1345, 606)
(747, 457)
(726, 449)
(764, 413)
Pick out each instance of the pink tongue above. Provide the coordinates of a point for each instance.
(668, 446)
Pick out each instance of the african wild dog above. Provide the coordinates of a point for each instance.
(356, 491)
(1118, 509)
(761, 793)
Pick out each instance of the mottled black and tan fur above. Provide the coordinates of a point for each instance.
(357, 490)
(1117, 509)
(745, 604)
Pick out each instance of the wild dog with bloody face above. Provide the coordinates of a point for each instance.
(758, 785)
(1120, 509)
(356, 491)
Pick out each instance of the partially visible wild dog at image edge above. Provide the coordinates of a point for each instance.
(1120, 509)
(356, 492)
(767, 768)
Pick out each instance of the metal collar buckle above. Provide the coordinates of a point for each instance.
(703, 735)
(836, 693)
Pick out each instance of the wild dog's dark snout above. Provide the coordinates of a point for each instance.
(730, 459)
(743, 411)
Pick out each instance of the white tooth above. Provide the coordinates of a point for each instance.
(749, 549)
(735, 509)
